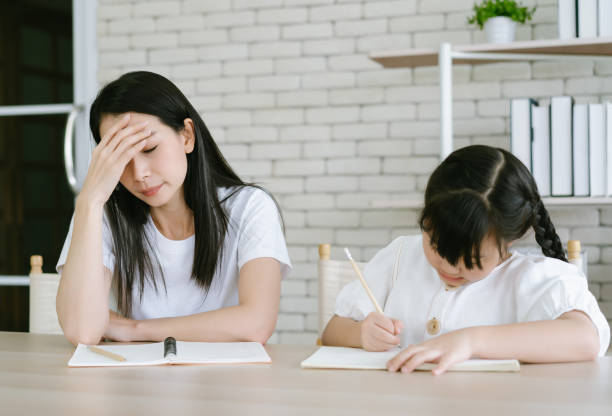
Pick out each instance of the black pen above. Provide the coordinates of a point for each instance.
(170, 348)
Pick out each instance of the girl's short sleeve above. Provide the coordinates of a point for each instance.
(542, 296)
(353, 301)
(108, 257)
(260, 233)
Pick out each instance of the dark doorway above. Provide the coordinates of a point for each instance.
(35, 201)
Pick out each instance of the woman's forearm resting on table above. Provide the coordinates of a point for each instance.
(253, 319)
(236, 323)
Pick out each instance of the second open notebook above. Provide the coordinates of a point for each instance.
(186, 353)
(358, 359)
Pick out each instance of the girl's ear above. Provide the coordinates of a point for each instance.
(188, 135)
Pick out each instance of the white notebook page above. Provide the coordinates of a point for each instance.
(220, 352)
(141, 354)
(358, 359)
(187, 353)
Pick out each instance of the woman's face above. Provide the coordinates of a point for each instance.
(156, 174)
(459, 274)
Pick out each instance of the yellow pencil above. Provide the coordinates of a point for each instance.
(363, 282)
(105, 353)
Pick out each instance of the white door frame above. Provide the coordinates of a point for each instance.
(85, 86)
(85, 70)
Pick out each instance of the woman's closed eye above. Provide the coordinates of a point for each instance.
(149, 150)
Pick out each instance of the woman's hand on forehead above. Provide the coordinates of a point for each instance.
(122, 140)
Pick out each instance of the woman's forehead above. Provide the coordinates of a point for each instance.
(108, 120)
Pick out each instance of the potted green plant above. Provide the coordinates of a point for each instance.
(499, 18)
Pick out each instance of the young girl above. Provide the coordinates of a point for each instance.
(166, 227)
(457, 292)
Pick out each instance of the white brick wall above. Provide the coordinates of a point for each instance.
(296, 105)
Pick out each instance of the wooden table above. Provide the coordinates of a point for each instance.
(34, 380)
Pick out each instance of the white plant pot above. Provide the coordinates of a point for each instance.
(500, 29)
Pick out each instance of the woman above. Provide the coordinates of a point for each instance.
(165, 226)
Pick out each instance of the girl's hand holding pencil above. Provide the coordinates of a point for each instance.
(378, 332)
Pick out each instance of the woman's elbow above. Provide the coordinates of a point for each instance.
(83, 332)
(262, 331)
(81, 337)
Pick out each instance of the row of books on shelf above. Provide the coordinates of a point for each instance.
(584, 18)
(566, 146)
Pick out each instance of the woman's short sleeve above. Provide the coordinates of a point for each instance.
(548, 294)
(353, 301)
(260, 233)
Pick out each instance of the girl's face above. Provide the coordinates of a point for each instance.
(156, 174)
(459, 274)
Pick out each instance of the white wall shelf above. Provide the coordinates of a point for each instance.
(446, 55)
(464, 54)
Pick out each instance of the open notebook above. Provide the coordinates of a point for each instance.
(358, 359)
(183, 353)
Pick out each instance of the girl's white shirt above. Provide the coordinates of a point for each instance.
(523, 288)
(254, 231)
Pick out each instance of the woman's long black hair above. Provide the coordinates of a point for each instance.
(149, 93)
(478, 191)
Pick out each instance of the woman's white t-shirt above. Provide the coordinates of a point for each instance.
(254, 231)
(523, 288)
